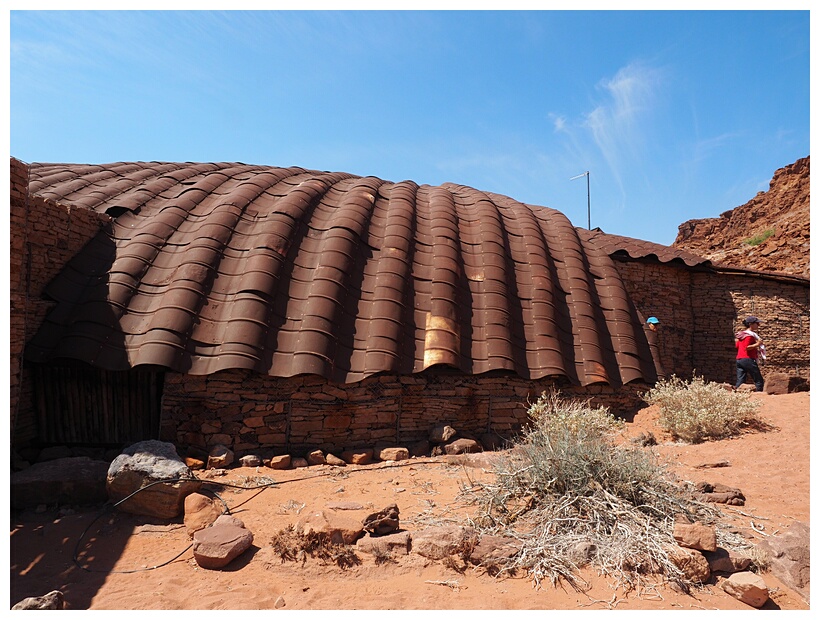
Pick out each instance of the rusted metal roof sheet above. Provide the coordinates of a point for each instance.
(637, 248)
(287, 271)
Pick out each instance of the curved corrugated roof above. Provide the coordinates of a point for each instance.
(638, 248)
(288, 271)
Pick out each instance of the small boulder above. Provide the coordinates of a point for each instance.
(493, 550)
(463, 446)
(216, 546)
(393, 454)
(315, 457)
(747, 588)
(194, 463)
(385, 521)
(776, 383)
(52, 600)
(332, 459)
(788, 554)
(250, 460)
(338, 528)
(200, 512)
(220, 457)
(280, 462)
(442, 434)
(398, 543)
(155, 470)
(438, 542)
(694, 565)
(362, 456)
(695, 536)
(298, 462)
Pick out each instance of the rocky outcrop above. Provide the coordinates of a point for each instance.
(768, 233)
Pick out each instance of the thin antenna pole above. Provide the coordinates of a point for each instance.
(589, 210)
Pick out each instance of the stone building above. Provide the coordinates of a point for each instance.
(287, 309)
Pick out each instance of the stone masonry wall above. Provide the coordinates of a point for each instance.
(700, 312)
(248, 412)
(44, 235)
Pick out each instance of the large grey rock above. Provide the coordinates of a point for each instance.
(789, 557)
(74, 480)
(52, 600)
(217, 546)
(152, 471)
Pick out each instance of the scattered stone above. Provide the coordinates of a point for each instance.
(725, 561)
(220, 457)
(334, 460)
(53, 600)
(437, 451)
(298, 462)
(747, 387)
(442, 434)
(694, 565)
(215, 473)
(280, 462)
(200, 512)
(421, 448)
(250, 460)
(316, 457)
(493, 550)
(385, 521)
(216, 546)
(361, 456)
(747, 588)
(381, 545)
(141, 467)
(393, 454)
(75, 480)
(345, 506)
(463, 446)
(438, 542)
(338, 528)
(788, 555)
(280, 603)
(695, 536)
(713, 465)
(776, 383)
(194, 464)
(720, 494)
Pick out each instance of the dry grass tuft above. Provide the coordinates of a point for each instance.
(694, 411)
(571, 497)
(293, 546)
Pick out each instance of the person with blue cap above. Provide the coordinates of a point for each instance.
(652, 325)
(748, 345)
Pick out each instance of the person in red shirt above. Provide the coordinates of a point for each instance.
(748, 343)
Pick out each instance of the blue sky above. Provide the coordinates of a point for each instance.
(675, 114)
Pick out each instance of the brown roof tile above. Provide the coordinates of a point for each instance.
(288, 271)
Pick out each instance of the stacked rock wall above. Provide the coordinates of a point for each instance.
(700, 311)
(44, 235)
(248, 412)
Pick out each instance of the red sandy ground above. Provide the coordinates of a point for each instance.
(771, 468)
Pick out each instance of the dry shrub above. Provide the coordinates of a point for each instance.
(293, 546)
(571, 496)
(694, 411)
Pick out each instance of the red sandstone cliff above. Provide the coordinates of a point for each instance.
(768, 233)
